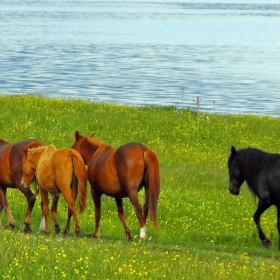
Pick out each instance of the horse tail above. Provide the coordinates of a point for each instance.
(152, 178)
(81, 174)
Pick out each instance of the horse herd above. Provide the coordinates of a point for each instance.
(118, 173)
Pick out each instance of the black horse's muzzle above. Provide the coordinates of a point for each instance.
(234, 188)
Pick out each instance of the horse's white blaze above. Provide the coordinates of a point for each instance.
(143, 233)
(43, 224)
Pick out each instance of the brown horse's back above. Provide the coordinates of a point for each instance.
(59, 167)
(11, 155)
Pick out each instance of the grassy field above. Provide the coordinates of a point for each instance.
(204, 231)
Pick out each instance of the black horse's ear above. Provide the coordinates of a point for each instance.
(233, 151)
(77, 134)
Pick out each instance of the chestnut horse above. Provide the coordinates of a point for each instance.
(10, 177)
(120, 173)
(57, 171)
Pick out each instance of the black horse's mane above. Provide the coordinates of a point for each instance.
(253, 161)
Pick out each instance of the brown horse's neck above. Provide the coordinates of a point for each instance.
(93, 149)
(35, 154)
(3, 141)
(99, 152)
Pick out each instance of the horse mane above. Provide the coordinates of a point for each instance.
(254, 161)
(100, 151)
(2, 140)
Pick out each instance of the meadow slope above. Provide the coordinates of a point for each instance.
(204, 231)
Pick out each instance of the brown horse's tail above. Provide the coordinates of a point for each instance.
(153, 180)
(81, 174)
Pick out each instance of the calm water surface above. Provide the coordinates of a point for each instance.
(151, 53)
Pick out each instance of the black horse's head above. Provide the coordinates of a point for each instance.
(236, 178)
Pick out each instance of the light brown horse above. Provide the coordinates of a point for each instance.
(120, 173)
(57, 171)
(11, 155)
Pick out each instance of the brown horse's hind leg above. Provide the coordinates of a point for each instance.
(71, 209)
(97, 210)
(3, 201)
(74, 195)
(139, 212)
(45, 203)
(1, 209)
(31, 198)
(119, 203)
(54, 212)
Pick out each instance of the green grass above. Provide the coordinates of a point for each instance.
(204, 233)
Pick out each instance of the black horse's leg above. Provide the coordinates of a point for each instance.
(278, 223)
(261, 208)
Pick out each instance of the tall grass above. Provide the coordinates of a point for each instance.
(205, 232)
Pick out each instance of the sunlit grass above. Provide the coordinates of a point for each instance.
(204, 233)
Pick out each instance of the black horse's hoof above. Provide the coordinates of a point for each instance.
(266, 243)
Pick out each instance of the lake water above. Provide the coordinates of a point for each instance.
(163, 53)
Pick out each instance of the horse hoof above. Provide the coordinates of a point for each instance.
(267, 243)
(27, 230)
(12, 226)
(57, 230)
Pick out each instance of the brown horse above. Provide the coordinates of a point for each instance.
(57, 171)
(121, 173)
(10, 177)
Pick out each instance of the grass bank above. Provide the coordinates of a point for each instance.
(205, 232)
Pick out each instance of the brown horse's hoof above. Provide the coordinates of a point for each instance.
(77, 233)
(128, 236)
(57, 229)
(266, 243)
(12, 226)
(142, 239)
(27, 229)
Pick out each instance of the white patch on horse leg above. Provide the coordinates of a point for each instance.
(143, 233)
(43, 224)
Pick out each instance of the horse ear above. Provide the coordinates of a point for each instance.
(233, 151)
(92, 135)
(77, 134)
(25, 151)
(33, 145)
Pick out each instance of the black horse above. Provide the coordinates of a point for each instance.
(261, 171)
